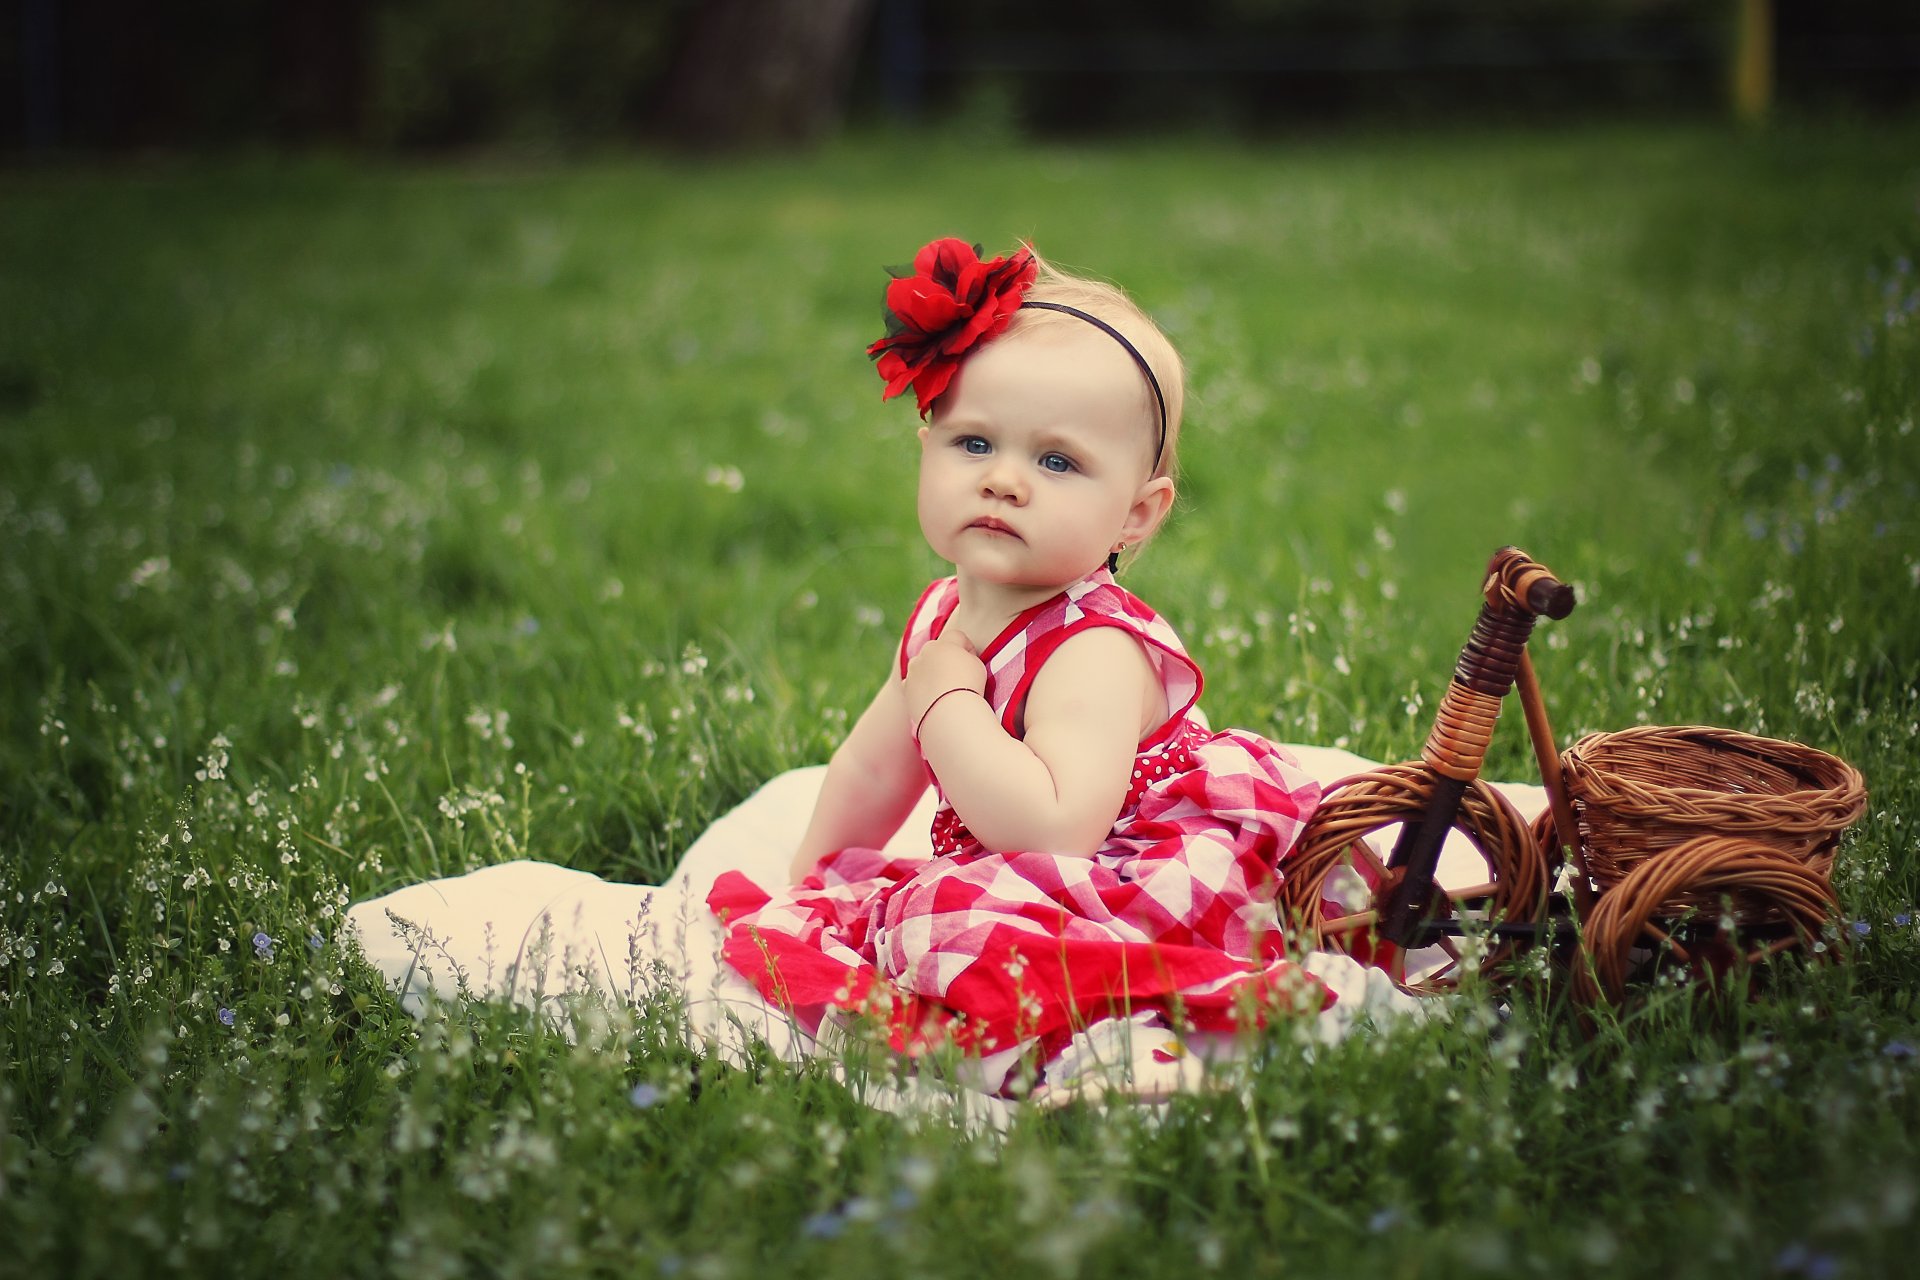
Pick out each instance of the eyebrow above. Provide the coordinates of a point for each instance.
(1056, 440)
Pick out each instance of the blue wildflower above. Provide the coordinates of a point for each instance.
(1903, 919)
(1898, 1049)
(643, 1095)
(225, 1016)
(1861, 928)
(263, 946)
(823, 1226)
(528, 626)
(1796, 1258)
(315, 941)
(1383, 1220)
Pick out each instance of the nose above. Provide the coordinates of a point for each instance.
(1002, 479)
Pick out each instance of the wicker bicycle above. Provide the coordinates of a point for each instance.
(1703, 845)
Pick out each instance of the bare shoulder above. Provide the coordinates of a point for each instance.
(1113, 649)
(1102, 667)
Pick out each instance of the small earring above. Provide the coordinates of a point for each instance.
(1113, 558)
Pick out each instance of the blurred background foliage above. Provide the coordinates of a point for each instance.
(546, 74)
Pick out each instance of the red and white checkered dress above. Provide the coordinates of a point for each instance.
(1175, 913)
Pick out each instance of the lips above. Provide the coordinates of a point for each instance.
(993, 524)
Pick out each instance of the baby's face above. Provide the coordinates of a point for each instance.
(1038, 458)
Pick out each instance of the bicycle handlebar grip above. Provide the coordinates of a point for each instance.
(1518, 590)
(1515, 580)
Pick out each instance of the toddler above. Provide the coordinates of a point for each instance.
(1098, 853)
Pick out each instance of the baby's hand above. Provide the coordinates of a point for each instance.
(944, 664)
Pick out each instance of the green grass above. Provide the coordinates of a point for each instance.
(362, 524)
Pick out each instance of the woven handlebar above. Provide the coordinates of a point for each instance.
(1517, 581)
(1518, 590)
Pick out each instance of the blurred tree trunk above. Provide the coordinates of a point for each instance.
(1753, 59)
(762, 71)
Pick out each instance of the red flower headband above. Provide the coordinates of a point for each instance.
(951, 304)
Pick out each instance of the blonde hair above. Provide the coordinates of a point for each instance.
(1111, 304)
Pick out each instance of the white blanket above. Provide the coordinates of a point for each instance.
(535, 933)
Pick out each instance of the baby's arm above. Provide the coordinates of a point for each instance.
(873, 781)
(1060, 788)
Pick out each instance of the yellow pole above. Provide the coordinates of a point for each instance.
(1753, 60)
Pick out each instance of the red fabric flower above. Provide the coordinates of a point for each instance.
(951, 304)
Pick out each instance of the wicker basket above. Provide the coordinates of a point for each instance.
(1647, 790)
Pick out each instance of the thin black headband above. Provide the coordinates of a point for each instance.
(1138, 359)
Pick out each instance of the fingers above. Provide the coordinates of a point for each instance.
(950, 638)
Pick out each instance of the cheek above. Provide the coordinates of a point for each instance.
(929, 482)
(930, 497)
(1113, 506)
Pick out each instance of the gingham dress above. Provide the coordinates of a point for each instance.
(1174, 913)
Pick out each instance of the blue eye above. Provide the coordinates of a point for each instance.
(1058, 463)
(975, 446)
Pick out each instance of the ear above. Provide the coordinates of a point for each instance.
(922, 433)
(1150, 507)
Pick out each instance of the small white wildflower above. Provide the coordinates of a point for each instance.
(213, 766)
(150, 571)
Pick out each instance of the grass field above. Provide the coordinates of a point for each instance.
(360, 524)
